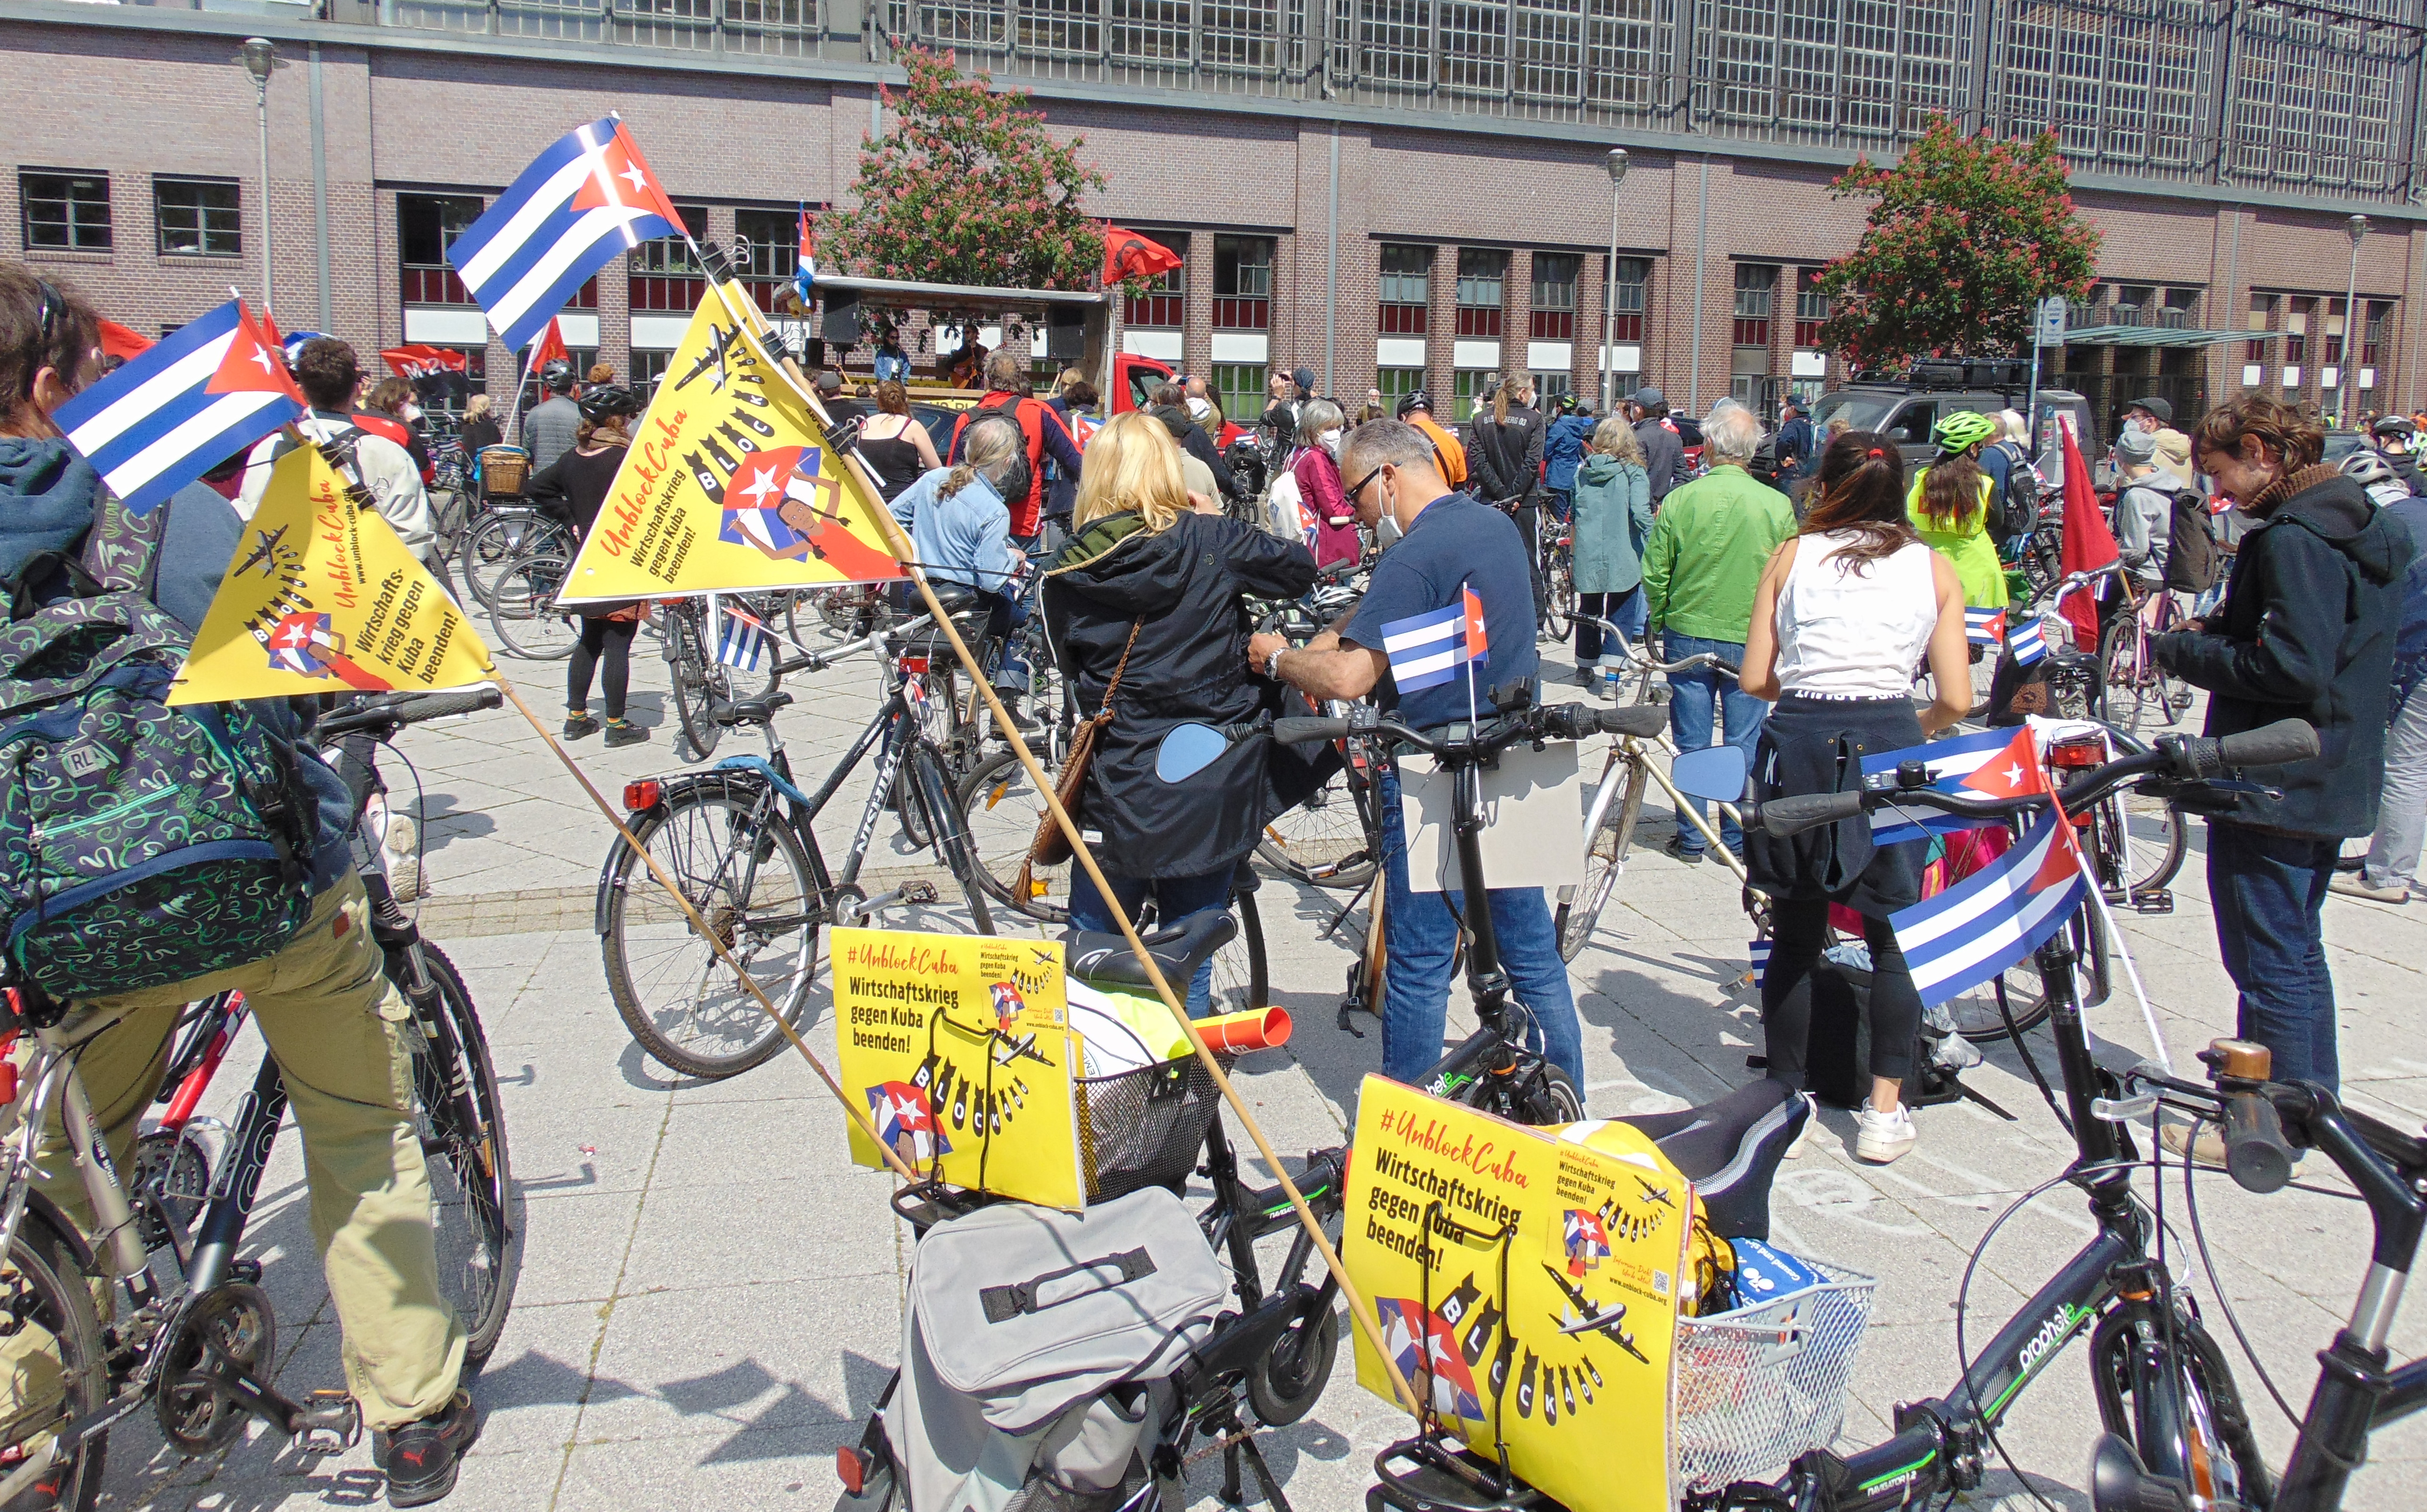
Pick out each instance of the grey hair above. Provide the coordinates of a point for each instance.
(1376, 442)
(2015, 428)
(1731, 434)
(1317, 417)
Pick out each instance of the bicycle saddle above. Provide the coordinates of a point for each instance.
(1642, 721)
(1730, 1150)
(1178, 951)
(748, 710)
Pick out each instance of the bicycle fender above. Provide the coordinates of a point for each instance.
(42, 1210)
(619, 848)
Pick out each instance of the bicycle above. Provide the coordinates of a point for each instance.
(1559, 570)
(202, 1348)
(501, 529)
(521, 600)
(1332, 838)
(2137, 688)
(739, 838)
(702, 684)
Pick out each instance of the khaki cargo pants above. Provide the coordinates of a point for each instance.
(336, 1026)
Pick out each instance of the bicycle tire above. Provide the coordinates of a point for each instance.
(2119, 672)
(2202, 1419)
(1280, 1396)
(1580, 908)
(1242, 976)
(522, 607)
(467, 1135)
(696, 684)
(1556, 1100)
(42, 1263)
(492, 544)
(1333, 840)
(934, 794)
(999, 811)
(1558, 597)
(2155, 830)
(648, 938)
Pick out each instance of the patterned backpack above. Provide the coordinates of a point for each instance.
(140, 844)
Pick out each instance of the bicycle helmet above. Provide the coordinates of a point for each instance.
(1411, 402)
(556, 375)
(606, 402)
(2366, 467)
(1964, 430)
(2394, 425)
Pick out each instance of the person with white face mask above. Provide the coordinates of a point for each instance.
(1316, 467)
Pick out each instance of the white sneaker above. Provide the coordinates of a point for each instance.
(1882, 1137)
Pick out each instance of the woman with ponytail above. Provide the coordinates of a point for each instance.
(1952, 501)
(1844, 612)
(1504, 455)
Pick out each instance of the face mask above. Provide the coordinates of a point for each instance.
(1329, 441)
(1198, 409)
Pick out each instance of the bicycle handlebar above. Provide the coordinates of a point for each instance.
(1551, 722)
(1642, 658)
(396, 711)
(2188, 758)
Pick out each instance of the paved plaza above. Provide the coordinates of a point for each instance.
(710, 1299)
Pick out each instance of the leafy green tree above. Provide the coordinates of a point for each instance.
(1967, 236)
(967, 187)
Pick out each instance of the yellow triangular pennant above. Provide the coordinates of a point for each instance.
(321, 597)
(728, 485)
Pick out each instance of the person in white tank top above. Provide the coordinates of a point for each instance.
(1843, 613)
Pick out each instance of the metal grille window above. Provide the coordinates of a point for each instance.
(1482, 280)
(1626, 294)
(665, 276)
(197, 217)
(2372, 339)
(2317, 97)
(1239, 388)
(1166, 302)
(1802, 70)
(425, 224)
(1554, 296)
(1756, 288)
(2122, 81)
(1622, 43)
(2262, 317)
(1242, 282)
(65, 212)
(1405, 290)
(766, 251)
(1811, 308)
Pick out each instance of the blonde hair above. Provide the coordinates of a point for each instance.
(1515, 383)
(476, 407)
(993, 439)
(1614, 437)
(1131, 464)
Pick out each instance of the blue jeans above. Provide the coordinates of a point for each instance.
(2268, 890)
(1176, 899)
(1006, 618)
(1691, 700)
(1420, 930)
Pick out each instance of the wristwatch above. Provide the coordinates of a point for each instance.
(1273, 664)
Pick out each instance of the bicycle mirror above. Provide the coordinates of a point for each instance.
(1714, 771)
(1188, 750)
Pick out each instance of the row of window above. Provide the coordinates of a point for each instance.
(2300, 317)
(68, 211)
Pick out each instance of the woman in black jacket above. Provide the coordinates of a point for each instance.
(1505, 464)
(573, 488)
(1153, 592)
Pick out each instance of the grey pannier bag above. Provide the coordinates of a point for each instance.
(1038, 1348)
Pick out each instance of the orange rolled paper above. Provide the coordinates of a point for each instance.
(1250, 1031)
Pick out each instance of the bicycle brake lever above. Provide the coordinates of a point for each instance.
(2129, 1110)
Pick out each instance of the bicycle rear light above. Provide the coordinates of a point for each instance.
(2077, 755)
(8, 1068)
(640, 797)
(914, 666)
(851, 1467)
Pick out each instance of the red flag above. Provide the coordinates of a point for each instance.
(123, 344)
(2088, 541)
(269, 330)
(1477, 643)
(620, 176)
(551, 348)
(2013, 771)
(421, 360)
(1127, 254)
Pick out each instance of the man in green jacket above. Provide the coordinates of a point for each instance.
(1704, 557)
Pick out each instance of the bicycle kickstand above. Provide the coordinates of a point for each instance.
(1233, 1493)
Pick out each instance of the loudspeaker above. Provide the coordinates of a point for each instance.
(840, 323)
(1065, 335)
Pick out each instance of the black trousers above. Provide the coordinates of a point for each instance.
(1799, 933)
(612, 639)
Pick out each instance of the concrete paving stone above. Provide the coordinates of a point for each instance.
(574, 1243)
(688, 1236)
(786, 1467)
(716, 1362)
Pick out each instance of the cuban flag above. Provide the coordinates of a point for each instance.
(805, 271)
(1421, 1340)
(1992, 764)
(308, 645)
(1761, 960)
(2028, 644)
(1994, 918)
(587, 197)
(1425, 650)
(1587, 1240)
(1984, 626)
(182, 407)
(765, 480)
(740, 636)
(906, 1120)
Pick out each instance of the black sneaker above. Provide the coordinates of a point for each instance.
(579, 725)
(1679, 850)
(423, 1456)
(624, 732)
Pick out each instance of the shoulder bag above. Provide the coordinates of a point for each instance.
(1050, 847)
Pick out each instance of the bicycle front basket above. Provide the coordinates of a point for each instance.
(1144, 1126)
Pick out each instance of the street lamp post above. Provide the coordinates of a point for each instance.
(259, 59)
(1609, 285)
(2358, 226)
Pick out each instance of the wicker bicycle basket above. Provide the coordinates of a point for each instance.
(505, 471)
(1761, 1385)
(1144, 1126)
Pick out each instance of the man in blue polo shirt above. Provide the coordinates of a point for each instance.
(1449, 543)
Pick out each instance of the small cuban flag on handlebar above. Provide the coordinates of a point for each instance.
(2028, 643)
(1996, 917)
(1993, 764)
(1425, 650)
(1984, 626)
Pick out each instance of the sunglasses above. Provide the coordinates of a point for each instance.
(1363, 484)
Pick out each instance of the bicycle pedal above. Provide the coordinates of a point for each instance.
(246, 1271)
(919, 894)
(2156, 901)
(330, 1424)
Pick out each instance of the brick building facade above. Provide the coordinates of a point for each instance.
(1378, 247)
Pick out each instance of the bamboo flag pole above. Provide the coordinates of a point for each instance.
(1358, 1307)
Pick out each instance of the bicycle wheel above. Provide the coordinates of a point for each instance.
(1242, 982)
(698, 684)
(2186, 1419)
(1331, 839)
(67, 1374)
(999, 811)
(522, 607)
(745, 871)
(2148, 838)
(933, 794)
(1579, 907)
(462, 1126)
(1552, 1098)
(2121, 672)
(1558, 594)
(492, 544)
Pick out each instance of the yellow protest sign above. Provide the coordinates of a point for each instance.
(321, 597)
(959, 1047)
(1546, 1316)
(728, 485)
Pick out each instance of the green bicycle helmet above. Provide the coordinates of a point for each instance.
(1964, 430)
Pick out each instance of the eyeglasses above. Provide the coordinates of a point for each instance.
(1356, 494)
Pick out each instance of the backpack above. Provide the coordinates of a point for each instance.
(140, 844)
(1285, 510)
(2193, 559)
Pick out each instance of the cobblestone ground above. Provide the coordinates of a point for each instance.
(711, 1293)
